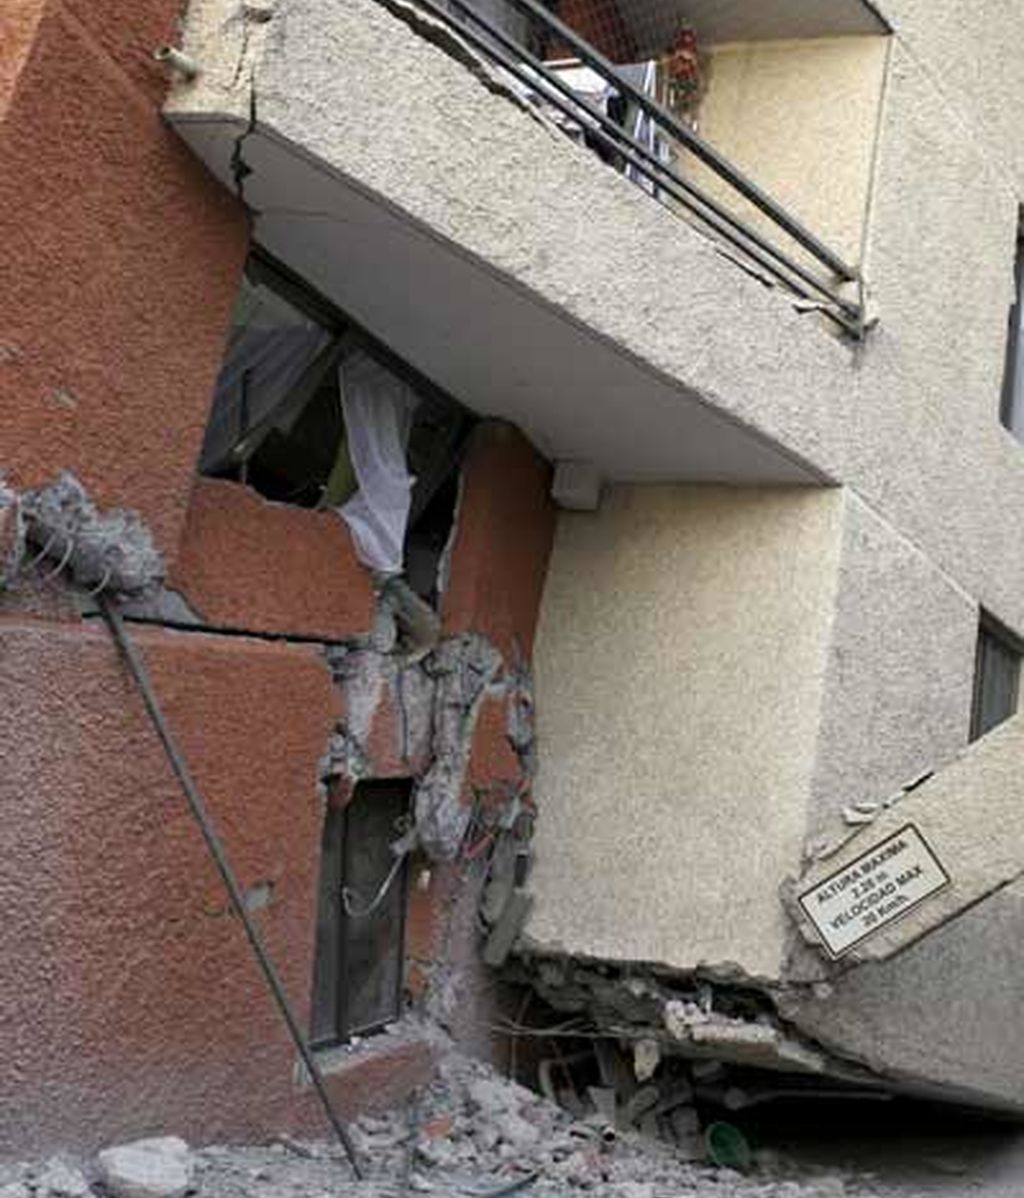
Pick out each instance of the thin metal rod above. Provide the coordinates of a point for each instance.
(695, 144)
(137, 669)
(740, 235)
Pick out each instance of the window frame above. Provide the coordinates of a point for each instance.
(337, 821)
(1011, 402)
(992, 630)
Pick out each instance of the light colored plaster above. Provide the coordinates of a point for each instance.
(944, 1013)
(800, 117)
(971, 54)
(679, 667)
(481, 174)
(971, 815)
(653, 26)
(924, 442)
(898, 688)
(910, 421)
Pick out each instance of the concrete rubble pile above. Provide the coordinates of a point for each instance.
(470, 1132)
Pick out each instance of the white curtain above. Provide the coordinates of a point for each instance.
(378, 410)
(264, 365)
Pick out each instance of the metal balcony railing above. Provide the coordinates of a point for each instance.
(518, 36)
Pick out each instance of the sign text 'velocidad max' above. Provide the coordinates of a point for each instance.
(881, 885)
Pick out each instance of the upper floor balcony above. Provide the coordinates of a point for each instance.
(632, 227)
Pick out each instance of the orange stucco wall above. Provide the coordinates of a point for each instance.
(155, 1017)
(245, 562)
(129, 1003)
(121, 261)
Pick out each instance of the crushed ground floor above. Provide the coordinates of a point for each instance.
(472, 1133)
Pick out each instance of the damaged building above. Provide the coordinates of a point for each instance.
(539, 479)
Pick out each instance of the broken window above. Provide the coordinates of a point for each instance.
(1012, 409)
(360, 931)
(996, 677)
(310, 410)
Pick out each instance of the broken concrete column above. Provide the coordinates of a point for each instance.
(463, 668)
(111, 550)
(12, 534)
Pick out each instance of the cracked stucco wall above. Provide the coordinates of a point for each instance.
(943, 1013)
(479, 173)
(908, 422)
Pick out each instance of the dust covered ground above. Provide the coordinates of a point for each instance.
(472, 1133)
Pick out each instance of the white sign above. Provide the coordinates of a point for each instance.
(882, 885)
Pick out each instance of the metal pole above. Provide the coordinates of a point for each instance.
(202, 816)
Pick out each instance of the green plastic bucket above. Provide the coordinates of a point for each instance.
(727, 1147)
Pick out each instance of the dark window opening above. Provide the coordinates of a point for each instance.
(996, 677)
(278, 423)
(360, 930)
(1011, 411)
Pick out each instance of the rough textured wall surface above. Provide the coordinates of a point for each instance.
(131, 1002)
(899, 684)
(942, 1014)
(680, 661)
(156, 1018)
(969, 813)
(925, 446)
(18, 23)
(910, 420)
(121, 261)
(247, 563)
(947, 42)
(481, 173)
(503, 534)
(800, 118)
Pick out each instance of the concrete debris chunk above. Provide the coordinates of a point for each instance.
(156, 1168)
(62, 1181)
(646, 1058)
(111, 550)
(506, 932)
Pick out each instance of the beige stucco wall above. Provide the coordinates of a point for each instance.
(800, 118)
(908, 421)
(945, 1013)
(899, 677)
(679, 665)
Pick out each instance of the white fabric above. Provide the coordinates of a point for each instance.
(378, 410)
(269, 362)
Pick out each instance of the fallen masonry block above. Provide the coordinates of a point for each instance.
(506, 932)
(62, 1181)
(156, 1168)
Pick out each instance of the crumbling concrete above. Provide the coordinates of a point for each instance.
(677, 1016)
(112, 549)
(61, 526)
(437, 699)
(474, 1133)
(462, 669)
(12, 534)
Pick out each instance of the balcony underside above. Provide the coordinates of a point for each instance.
(489, 341)
(717, 21)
